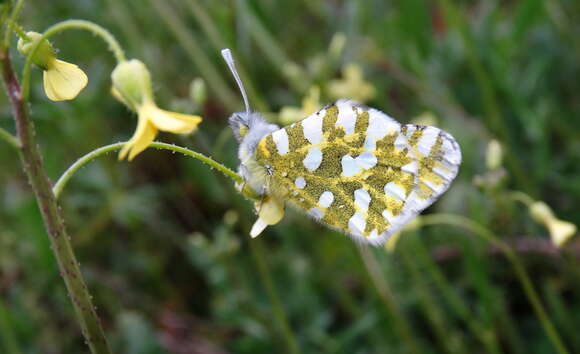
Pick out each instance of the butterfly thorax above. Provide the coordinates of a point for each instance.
(249, 130)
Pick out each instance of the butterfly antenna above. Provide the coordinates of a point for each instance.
(227, 54)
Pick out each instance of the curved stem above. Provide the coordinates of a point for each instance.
(521, 273)
(9, 138)
(114, 46)
(66, 176)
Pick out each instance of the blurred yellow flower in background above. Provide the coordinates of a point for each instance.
(352, 85)
(310, 104)
(132, 86)
(62, 81)
(560, 231)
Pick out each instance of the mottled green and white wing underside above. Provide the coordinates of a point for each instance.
(357, 170)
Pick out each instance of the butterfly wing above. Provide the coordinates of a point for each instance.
(357, 170)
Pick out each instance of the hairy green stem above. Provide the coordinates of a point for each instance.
(67, 175)
(520, 271)
(9, 138)
(53, 221)
(114, 46)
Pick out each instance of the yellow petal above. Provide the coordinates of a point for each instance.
(270, 212)
(561, 231)
(63, 81)
(170, 121)
(144, 135)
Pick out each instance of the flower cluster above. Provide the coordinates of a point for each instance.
(131, 85)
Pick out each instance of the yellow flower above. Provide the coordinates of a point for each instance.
(62, 81)
(352, 86)
(270, 212)
(310, 104)
(132, 86)
(560, 231)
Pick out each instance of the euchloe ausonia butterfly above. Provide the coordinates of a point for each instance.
(348, 166)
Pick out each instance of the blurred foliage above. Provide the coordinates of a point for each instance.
(163, 241)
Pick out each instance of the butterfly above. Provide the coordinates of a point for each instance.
(348, 166)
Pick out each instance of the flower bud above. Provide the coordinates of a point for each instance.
(45, 54)
(494, 155)
(198, 91)
(132, 83)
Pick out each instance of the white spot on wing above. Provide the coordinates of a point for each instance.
(388, 216)
(313, 159)
(349, 166)
(362, 199)
(357, 224)
(352, 166)
(366, 160)
(280, 138)
(427, 140)
(411, 168)
(395, 190)
(379, 126)
(300, 182)
(401, 142)
(346, 117)
(316, 213)
(312, 127)
(326, 199)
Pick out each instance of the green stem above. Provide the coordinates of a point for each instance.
(12, 22)
(196, 53)
(114, 46)
(9, 138)
(521, 273)
(487, 336)
(279, 313)
(295, 75)
(67, 175)
(493, 114)
(50, 211)
(388, 298)
(213, 33)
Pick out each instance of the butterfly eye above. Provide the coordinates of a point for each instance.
(243, 130)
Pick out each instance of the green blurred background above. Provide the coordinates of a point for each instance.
(163, 241)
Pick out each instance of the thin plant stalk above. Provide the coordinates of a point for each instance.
(67, 175)
(53, 221)
(486, 335)
(9, 138)
(435, 316)
(388, 298)
(215, 38)
(520, 271)
(279, 313)
(196, 53)
(495, 122)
